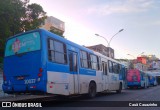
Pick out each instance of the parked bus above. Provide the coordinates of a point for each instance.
(137, 78)
(42, 61)
(152, 79)
(123, 75)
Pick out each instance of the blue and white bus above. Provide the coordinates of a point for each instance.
(137, 78)
(152, 78)
(42, 61)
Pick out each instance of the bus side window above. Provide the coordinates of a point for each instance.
(75, 62)
(57, 51)
(84, 59)
(99, 63)
(115, 68)
(104, 68)
(120, 68)
(110, 65)
(93, 60)
(71, 61)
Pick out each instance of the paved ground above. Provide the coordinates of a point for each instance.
(1, 81)
(129, 95)
(149, 94)
(1, 91)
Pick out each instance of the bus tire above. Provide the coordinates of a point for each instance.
(92, 90)
(120, 88)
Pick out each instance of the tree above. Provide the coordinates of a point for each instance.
(11, 12)
(18, 16)
(34, 17)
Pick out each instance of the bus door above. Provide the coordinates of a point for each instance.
(73, 64)
(105, 76)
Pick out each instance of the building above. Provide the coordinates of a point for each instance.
(107, 51)
(146, 62)
(152, 57)
(142, 59)
(55, 25)
(153, 62)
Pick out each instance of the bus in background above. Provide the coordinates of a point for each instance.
(123, 76)
(137, 78)
(152, 79)
(41, 61)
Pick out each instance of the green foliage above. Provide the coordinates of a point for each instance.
(1, 65)
(18, 16)
(1, 59)
(11, 12)
(35, 16)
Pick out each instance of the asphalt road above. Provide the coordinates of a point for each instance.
(108, 101)
(132, 96)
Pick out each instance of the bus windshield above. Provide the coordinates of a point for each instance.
(23, 43)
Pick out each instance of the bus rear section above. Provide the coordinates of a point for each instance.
(137, 78)
(152, 80)
(23, 70)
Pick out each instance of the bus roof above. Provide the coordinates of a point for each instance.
(56, 37)
(48, 33)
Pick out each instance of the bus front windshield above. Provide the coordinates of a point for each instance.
(23, 43)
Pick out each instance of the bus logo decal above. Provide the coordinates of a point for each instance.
(16, 45)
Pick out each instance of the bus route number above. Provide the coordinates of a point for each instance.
(29, 81)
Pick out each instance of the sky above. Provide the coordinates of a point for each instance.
(140, 20)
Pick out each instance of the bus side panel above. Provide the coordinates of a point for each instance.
(58, 83)
(85, 76)
(102, 85)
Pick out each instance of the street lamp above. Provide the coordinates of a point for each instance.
(103, 38)
(140, 54)
(131, 65)
(109, 49)
(111, 37)
(137, 55)
(132, 56)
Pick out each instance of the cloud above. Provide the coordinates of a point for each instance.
(126, 6)
(156, 23)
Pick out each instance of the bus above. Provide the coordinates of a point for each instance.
(152, 79)
(137, 78)
(41, 61)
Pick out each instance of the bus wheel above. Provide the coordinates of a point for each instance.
(120, 88)
(92, 90)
